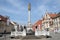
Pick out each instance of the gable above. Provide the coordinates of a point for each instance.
(46, 16)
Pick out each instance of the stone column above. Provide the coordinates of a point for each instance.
(29, 15)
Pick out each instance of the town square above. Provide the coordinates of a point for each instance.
(29, 20)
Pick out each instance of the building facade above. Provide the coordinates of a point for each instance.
(5, 25)
(56, 22)
(48, 20)
(37, 25)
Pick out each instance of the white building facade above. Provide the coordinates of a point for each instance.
(48, 21)
(56, 22)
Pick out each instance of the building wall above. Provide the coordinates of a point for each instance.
(38, 24)
(3, 22)
(47, 22)
(56, 23)
(4, 26)
(9, 27)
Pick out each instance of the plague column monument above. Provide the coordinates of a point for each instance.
(29, 16)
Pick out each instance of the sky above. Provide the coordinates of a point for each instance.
(17, 10)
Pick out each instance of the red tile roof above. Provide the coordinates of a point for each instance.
(2, 18)
(52, 15)
(39, 22)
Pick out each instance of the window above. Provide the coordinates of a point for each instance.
(0, 18)
(7, 22)
(13, 29)
(59, 18)
(0, 21)
(47, 29)
(59, 22)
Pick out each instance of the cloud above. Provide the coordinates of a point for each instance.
(20, 22)
(9, 10)
(16, 3)
(46, 1)
(18, 8)
(42, 8)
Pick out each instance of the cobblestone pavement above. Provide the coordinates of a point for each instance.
(55, 36)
